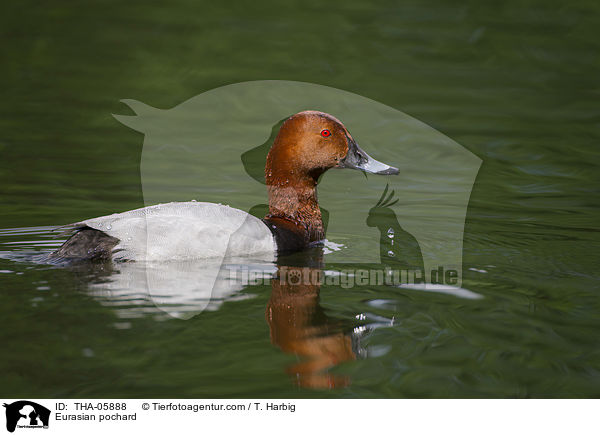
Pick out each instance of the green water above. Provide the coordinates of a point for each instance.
(516, 84)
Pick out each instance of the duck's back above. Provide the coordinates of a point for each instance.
(183, 231)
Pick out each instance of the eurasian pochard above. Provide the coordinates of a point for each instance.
(308, 144)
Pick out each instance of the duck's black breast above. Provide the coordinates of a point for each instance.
(289, 236)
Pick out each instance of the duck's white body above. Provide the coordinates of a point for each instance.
(185, 231)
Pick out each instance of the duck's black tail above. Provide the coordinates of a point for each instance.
(87, 244)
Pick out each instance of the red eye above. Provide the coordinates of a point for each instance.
(325, 133)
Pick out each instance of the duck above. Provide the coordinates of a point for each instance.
(308, 144)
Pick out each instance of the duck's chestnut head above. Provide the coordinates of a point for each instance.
(311, 142)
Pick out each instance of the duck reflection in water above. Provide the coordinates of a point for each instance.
(299, 325)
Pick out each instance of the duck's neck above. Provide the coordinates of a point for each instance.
(294, 197)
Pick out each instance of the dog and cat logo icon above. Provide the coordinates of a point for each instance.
(26, 414)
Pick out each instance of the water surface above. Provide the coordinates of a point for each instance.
(517, 85)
